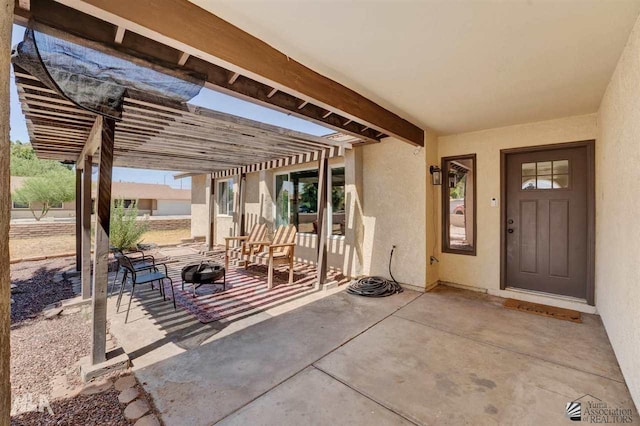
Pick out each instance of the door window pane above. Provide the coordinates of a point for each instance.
(560, 181)
(545, 175)
(528, 169)
(544, 182)
(544, 168)
(561, 167)
(528, 182)
(459, 205)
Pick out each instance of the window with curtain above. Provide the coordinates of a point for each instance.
(225, 197)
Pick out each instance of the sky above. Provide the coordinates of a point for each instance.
(207, 98)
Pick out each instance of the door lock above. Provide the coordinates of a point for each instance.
(510, 230)
(510, 221)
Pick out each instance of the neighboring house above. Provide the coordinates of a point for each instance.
(152, 199)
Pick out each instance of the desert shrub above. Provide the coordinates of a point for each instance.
(126, 230)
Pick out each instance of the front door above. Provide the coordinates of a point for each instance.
(547, 223)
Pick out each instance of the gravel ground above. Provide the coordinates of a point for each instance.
(35, 287)
(45, 352)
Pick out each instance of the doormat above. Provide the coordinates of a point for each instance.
(544, 310)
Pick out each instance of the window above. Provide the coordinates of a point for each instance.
(297, 200)
(18, 205)
(337, 212)
(127, 203)
(459, 205)
(55, 206)
(225, 197)
(545, 175)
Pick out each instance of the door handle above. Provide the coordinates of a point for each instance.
(510, 230)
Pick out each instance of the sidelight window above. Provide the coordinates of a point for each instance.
(459, 204)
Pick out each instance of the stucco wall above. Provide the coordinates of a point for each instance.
(199, 210)
(432, 200)
(172, 207)
(394, 207)
(483, 270)
(259, 208)
(618, 204)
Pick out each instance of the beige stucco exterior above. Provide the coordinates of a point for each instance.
(199, 206)
(617, 226)
(394, 207)
(483, 270)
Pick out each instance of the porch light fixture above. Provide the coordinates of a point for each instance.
(436, 175)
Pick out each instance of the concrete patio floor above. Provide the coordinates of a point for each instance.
(445, 357)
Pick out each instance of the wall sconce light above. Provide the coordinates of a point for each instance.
(436, 175)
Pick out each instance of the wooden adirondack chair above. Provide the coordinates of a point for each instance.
(280, 251)
(249, 244)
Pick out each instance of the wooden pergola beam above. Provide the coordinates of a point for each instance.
(93, 141)
(101, 251)
(167, 30)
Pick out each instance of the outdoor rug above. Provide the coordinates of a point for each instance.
(246, 290)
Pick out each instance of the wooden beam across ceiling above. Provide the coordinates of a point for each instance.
(180, 33)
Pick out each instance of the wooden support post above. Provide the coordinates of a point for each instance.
(101, 251)
(86, 226)
(241, 200)
(78, 219)
(211, 237)
(6, 22)
(323, 190)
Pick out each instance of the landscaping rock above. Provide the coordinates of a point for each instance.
(58, 278)
(128, 395)
(125, 382)
(136, 409)
(150, 420)
(14, 289)
(52, 312)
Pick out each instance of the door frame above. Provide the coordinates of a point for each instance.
(591, 207)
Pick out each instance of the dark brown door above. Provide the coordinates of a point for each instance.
(546, 221)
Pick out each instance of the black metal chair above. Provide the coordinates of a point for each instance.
(149, 275)
(138, 258)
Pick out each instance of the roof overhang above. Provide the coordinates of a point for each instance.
(178, 32)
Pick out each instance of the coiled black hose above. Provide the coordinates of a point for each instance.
(376, 286)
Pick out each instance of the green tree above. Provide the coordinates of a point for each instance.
(125, 229)
(46, 190)
(49, 182)
(25, 163)
(309, 196)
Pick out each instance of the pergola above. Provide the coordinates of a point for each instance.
(156, 133)
(164, 135)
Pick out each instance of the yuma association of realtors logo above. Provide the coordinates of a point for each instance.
(590, 409)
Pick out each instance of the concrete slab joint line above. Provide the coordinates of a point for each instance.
(416, 296)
